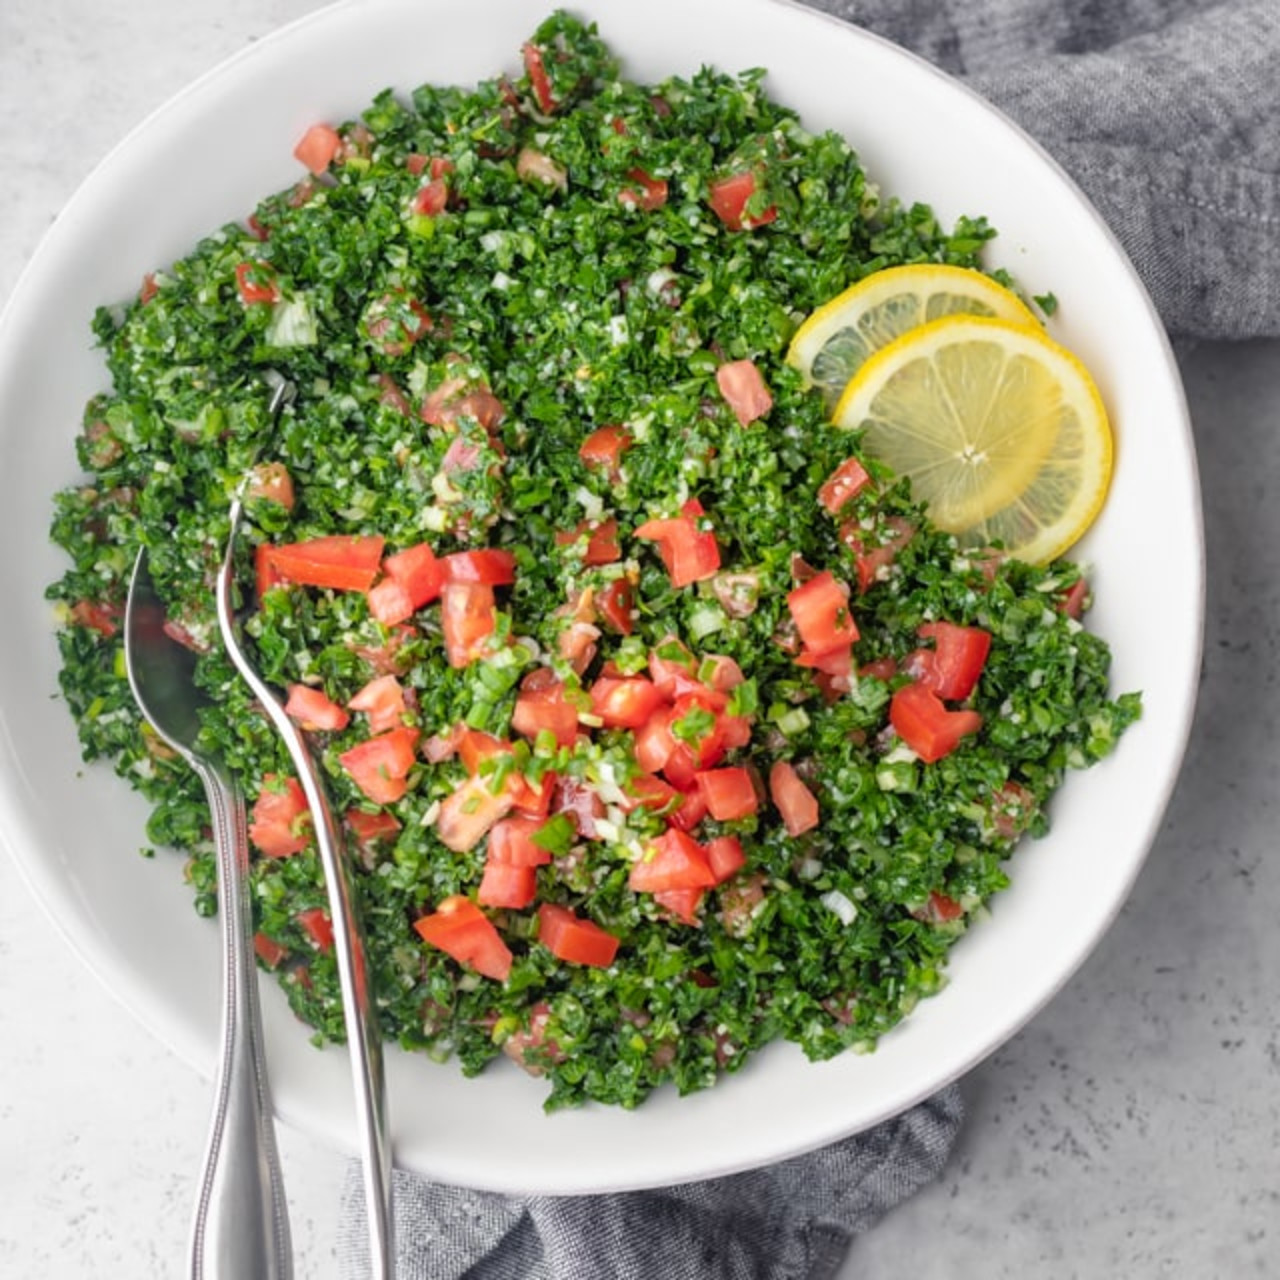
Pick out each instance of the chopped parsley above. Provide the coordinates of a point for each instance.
(505, 311)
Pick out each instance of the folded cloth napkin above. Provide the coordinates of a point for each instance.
(1167, 114)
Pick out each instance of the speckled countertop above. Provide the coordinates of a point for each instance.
(1133, 1129)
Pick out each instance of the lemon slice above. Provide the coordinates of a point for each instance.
(999, 429)
(832, 344)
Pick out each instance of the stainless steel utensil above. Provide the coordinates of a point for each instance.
(364, 1036)
(241, 1224)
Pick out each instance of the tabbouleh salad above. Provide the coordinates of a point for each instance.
(662, 723)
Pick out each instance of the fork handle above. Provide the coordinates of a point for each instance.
(241, 1224)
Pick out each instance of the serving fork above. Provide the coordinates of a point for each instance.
(364, 1036)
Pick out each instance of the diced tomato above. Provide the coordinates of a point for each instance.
(834, 662)
(504, 885)
(728, 197)
(681, 903)
(474, 747)
(314, 710)
(646, 790)
(271, 482)
(468, 617)
(879, 669)
(511, 842)
(924, 723)
(539, 81)
(342, 562)
(725, 857)
(604, 447)
(649, 193)
(267, 576)
(489, 566)
(822, 615)
(617, 605)
(654, 743)
(467, 813)
(280, 824)
(317, 925)
(730, 793)
(568, 937)
(195, 640)
(433, 166)
(794, 801)
(957, 659)
(542, 704)
(689, 552)
(625, 702)
(102, 618)
(743, 387)
(675, 860)
(691, 810)
(256, 282)
(939, 909)
(430, 199)
(390, 602)
(382, 700)
(535, 164)
(735, 731)
(149, 287)
(601, 538)
(461, 930)
(317, 147)
(873, 562)
(843, 485)
(698, 730)
(1073, 601)
(534, 800)
(720, 672)
(380, 766)
(673, 668)
(370, 828)
(577, 644)
(456, 398)
(418, 570)
(269, 951)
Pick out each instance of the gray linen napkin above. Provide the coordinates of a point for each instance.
(1167, 114)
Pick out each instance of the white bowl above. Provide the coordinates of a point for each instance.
(204, 159)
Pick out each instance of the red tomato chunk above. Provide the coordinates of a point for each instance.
(674, 860)
(575, 940)
(744, 389)
(341, 562)
(280, 823)
(923, 722)
(318, 147)
(729, 793)
(689, 552)
(461, 930)
(952, 668)
(794, 801)
(822, 615)
(314, 710)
